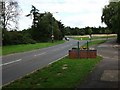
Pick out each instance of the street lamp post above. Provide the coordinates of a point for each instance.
(52, 34)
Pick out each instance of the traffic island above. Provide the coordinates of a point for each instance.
(78, 53)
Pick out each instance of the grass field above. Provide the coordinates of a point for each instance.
(65, 73)
(91, 43)
(95, 42)
(27, 47)
(93, 37)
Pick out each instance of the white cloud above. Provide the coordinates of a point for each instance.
(75, 13)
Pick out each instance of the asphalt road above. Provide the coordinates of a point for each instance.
(18, 65)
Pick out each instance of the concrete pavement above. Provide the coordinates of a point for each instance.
(106, 73)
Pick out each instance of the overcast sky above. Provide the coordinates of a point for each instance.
(73, 13)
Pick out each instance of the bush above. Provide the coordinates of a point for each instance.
(15, 37)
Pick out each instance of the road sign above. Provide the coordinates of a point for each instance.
(52, 36)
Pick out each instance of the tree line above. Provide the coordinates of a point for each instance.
(86, 31)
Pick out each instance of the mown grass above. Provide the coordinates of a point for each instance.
(65, 73)
(27, 47)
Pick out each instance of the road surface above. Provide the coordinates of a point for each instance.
(18, 65)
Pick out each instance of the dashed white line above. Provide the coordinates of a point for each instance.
(40, 54)
(11, 62)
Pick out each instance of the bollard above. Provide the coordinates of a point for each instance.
(87, 45)
(87, 49)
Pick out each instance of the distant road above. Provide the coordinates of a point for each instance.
(17, 65)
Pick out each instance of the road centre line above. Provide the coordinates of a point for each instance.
(40, 54)
(11, 62)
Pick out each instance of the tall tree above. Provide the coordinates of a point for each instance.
(10, 13)
(61, 28)
(110, 17)
(9, 17)
(36, 18)
(34, 12)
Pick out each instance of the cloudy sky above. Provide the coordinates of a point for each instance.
(73, 13)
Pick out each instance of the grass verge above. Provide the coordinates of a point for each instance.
(27, 47)
(95, 42)
(66, 73)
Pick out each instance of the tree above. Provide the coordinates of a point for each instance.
(90, 33)
(10, 13)
(110, 17)
(62, 29)
(35, 12)
(47, 26)
(8, 18)
(107, 31)
(44, 26)
(36, 20)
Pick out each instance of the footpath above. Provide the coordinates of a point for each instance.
(107, 73)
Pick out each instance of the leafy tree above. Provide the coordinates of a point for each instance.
(10, 13)
(43, 31)
(9, 19)
(34, 12)
(90, 31)
(36, 18)
(44, 25)
(111, 17)
(68, 31)
(62, 29)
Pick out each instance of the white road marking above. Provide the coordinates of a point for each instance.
(40, 54)
(11, 62)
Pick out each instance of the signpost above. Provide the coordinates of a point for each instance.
(52, 38)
